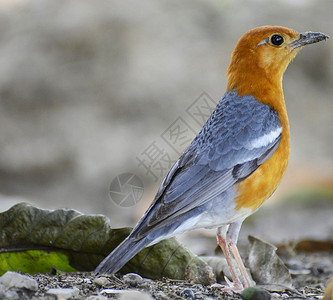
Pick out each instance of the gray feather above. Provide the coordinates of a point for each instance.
(239, 136)
(220, 156)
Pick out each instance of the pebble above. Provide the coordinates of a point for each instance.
(15, 280)
(255, 293)
(275, 296)
(161, 296)
(87, 280)
(199, 295)
(187, 294)
(64, 293)
(97, 297)
(126, 294)
(8, 295)
(111, 292)
(132, 279)
(135, 295)
(102, 281)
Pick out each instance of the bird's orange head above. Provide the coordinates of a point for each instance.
(262, 55)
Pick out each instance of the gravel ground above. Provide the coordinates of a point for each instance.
(311, 273)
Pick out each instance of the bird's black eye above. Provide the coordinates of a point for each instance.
(277, 39)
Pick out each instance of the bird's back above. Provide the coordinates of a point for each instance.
(240, 136)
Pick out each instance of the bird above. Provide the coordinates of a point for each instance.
(235, 162)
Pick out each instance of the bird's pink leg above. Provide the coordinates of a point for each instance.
(240, 264)
(237, 285)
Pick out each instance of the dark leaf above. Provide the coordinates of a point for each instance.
(35, 240)
(266, 267)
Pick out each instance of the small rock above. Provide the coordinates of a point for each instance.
(255, 293)
(135, 295)
(87, 280)
(9, 295)
(132, 279)
(187, 294)
(112, 292)
(199, 295)
(275, 296)
(146, 284)
(64, 293)
(102, 281)
(2, 286)
(161, 296)
(45, 297)
(15, 280)
(127, 294)
(97, 297)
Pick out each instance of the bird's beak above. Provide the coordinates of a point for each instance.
(307, 38)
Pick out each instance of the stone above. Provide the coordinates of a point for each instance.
(255, 293)
(199, 295)
(132, 279)
(15, 280)
(161, 296)
(187, 293)
(112, 292)
(9, 295)
(102, 281)
(135, 295)
(87, 280)
(275, 296)
(97, 297)
(127, 294)
(64, 293)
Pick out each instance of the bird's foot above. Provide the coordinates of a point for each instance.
(231, 287)
(236, 287)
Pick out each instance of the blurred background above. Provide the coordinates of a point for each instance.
(90, 90)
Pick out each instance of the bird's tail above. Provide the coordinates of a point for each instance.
(121, 255)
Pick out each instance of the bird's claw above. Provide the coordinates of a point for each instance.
(230, 288)
(235, 287)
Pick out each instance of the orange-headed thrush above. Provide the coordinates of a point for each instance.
(235, 162)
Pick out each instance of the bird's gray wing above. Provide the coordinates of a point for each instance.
(239, 136)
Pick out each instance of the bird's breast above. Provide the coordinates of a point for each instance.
(260, 185)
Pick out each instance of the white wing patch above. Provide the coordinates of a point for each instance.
(265, 139)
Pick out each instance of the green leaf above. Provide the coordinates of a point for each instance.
(34, 261)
